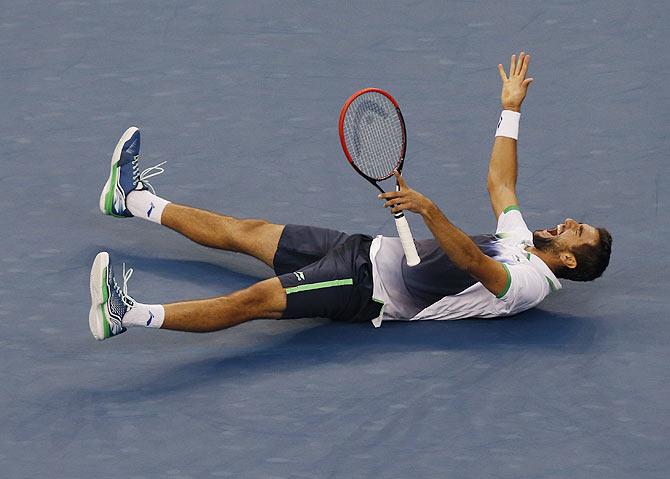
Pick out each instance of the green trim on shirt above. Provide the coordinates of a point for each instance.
(551, 285)
(511, 208)
(507, 285)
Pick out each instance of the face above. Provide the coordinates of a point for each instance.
(565, 237)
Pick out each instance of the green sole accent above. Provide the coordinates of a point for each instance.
(507, 285)
(511, 208)
(109, 198)
(107, 332)
(321, 285)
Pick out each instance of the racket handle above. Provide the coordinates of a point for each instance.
(407, 240)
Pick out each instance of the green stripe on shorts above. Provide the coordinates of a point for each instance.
(321, 285)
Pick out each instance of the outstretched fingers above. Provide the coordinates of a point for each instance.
(521, 64)
(524, 66)
(501, 71)
(518, 67)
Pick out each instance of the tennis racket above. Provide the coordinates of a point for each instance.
(373, 137)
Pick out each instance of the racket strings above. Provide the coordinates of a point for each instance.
(373, 133)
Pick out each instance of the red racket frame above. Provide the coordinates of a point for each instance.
(343, 113)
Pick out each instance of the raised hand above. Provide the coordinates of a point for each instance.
(515, 86)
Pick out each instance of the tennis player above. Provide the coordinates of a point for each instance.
(326, 273)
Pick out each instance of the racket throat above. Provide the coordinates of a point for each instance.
(374, 183)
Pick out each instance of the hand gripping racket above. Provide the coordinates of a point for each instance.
(373, 138)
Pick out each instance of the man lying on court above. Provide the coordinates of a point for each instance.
(325, 273)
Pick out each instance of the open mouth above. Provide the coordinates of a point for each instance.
(552, 232)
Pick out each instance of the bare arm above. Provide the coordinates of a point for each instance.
(460, 248)
(501, 182)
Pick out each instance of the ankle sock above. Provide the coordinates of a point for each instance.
(147, 315)
(144, 204)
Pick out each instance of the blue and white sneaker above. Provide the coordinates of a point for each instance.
(109, 303)
(125, 176)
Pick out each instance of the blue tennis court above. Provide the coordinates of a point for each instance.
(242, 100)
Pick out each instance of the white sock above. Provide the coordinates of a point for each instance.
(147, 315)
(145, 204)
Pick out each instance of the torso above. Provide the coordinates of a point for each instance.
(437, 289)
(436, 275)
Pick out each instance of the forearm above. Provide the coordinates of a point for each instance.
(503, 164)
(460, 248)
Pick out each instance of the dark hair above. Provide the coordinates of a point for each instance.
(591, 259)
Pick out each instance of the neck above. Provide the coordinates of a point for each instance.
(549, 259)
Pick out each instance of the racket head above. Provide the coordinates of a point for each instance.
(372, 134)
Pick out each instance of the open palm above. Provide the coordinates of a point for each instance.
(515, 86)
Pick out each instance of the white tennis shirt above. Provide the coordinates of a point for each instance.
(530, 279)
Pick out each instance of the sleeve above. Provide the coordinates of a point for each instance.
(512, 224)
(525, 289)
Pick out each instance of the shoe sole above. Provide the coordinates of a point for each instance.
(97, 316)
(107, 195)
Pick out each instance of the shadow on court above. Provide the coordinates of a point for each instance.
(349, 345)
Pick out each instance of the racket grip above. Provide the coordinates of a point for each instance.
(407, 240)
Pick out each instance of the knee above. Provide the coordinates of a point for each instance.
(252, 225)
(248, 232)
(266, 299)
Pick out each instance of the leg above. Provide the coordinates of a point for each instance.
(266, 299)
(338, 286)
(257, 238)
(113, 310)
(127, 193)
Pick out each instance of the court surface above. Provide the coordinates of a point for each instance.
(242, 99)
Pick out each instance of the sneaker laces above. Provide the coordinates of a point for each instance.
(126, 276)
(146, 174)
(123, 291)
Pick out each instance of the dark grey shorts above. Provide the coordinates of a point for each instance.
(326, 273)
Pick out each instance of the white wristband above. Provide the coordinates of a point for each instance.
(508, 125)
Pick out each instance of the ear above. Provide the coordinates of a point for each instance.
(568, 260)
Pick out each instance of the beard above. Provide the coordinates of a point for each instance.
(542, 243)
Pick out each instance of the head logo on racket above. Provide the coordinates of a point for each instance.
(374, 140)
